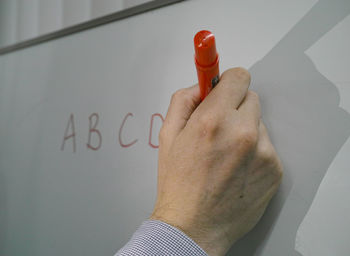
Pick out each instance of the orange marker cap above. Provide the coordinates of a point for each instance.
(205, 48)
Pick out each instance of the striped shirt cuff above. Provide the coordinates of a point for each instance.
(155, 237)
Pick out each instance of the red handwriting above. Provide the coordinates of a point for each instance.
(92, 129)
(151, 128)
(72, 135)
(120, 133)
(94, 140)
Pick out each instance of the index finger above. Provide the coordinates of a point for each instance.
(231, 89)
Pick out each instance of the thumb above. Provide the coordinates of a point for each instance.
(183, 103)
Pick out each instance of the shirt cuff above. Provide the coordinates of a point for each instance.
(155, 237)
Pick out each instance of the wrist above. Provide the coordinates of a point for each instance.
(213, 241)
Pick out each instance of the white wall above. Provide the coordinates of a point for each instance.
(104, 7)
(8, 22)
(50, 16)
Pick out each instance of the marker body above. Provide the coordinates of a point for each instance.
(207, 62)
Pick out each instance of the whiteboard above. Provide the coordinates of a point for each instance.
(87, 194)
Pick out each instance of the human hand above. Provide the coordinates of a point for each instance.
(217, 169)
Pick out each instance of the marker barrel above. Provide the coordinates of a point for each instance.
(207, 61)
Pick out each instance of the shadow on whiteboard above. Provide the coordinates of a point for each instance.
(301, 110)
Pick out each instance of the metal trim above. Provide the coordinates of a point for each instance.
(89, 24)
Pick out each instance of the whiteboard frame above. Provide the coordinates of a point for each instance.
(152, 5)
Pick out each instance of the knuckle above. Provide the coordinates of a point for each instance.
(269, 159)
(178, 95)
(209, 123)
(240, 74)
(277, 175)
(267, 156)
(181, 96)
(246, 138)
(253, 95)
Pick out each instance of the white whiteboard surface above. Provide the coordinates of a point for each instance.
(89, 202)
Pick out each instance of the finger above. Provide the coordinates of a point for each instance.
(231, 89)
(249, 110)
(182, 104)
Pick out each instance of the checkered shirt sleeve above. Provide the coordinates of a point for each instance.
(155, 237)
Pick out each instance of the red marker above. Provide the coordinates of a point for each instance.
(207, 61)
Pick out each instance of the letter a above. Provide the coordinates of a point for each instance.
(72, 135)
